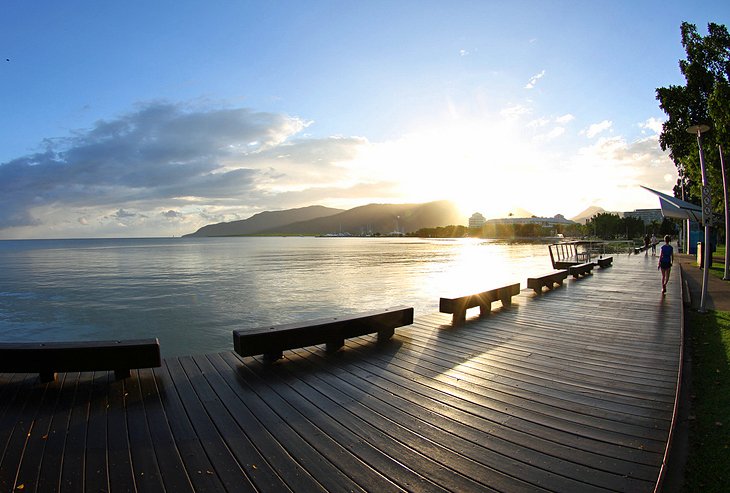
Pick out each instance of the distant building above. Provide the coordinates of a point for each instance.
(476, 220)
(646, 215)
(546, 222)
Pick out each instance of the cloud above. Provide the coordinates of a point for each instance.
(135, 167)
(172, 214)
(623, 166)
(597, 128)
(654, 125)
(515, 111)
(567, 118)
(534, 79)
(551, 135)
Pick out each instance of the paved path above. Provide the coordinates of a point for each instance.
(718, 291)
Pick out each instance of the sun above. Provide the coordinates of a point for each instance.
(479, 166)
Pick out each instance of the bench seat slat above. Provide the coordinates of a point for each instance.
(604, 262)
(580, 269)
(272, 340)
(47, 358)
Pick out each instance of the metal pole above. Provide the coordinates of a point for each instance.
(685, 224)
(726, 275)
(706, 215)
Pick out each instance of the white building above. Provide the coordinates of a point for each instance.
(646, 215)
(546, 222)
(476, 220)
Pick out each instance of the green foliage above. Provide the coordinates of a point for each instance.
(704, 99)
(708, 464)
(609, 226)
(443, 232)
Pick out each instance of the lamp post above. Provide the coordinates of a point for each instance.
(686, 222)
(706, 213)
(726, 275)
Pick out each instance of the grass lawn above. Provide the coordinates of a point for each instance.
(708, 463)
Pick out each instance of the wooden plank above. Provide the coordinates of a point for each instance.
(49, 478)
(72, 470)
(15, 427)
(348, 465)
(506, 458)
(199, 469)
(272, 453)
(167, 456)
(97, 476)
(254, 464)
(147, 475)
(224, 465)
(121, 473)
(30, 466)
(379, 460)
(412, 450)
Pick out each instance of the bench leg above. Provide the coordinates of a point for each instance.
(273, 356)
(385, 334)
(334, 346)
(47, 376)
(121, 374)
(485, 309)
(506, 301)
(459, 318)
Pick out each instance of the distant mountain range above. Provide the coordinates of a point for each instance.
(317, 220)
(380, 219)
(258, 223)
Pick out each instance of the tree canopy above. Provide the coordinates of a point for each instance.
(704, 99)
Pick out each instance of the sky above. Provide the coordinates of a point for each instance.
(135, 119)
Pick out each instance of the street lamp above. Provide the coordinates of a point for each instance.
(706, 213)
(726, 274)
(685, 223)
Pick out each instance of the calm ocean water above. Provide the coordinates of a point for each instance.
(191, 293)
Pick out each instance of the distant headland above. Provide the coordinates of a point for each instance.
(367, 220)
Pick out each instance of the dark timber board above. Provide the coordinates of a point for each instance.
(569, 390)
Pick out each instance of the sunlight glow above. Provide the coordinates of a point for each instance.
(480, 167)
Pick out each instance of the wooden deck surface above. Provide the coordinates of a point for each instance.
(572, 390)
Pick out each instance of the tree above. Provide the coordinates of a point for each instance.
(704, 99)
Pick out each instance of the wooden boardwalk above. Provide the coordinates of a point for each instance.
(572, 390)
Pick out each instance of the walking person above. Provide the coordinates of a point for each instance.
(653, 245)
(666, 258)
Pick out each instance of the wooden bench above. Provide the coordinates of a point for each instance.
(273, 340)
(48, 358)
(564, 264)
(580, 270)
(547, 280)
(604, 262)
(459, 305)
